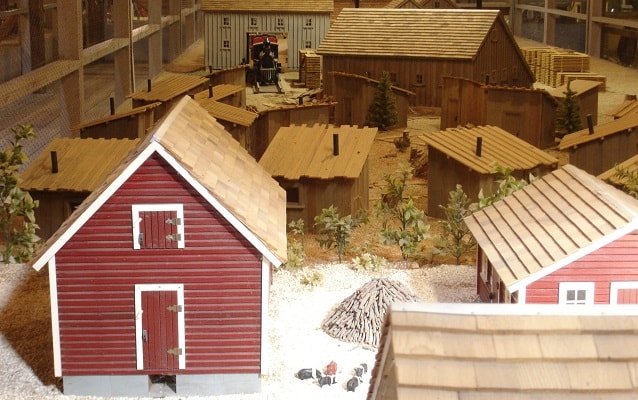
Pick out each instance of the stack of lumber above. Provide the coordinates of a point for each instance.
(554, 66)
(310, 68)
(563, 77)
(360, 317)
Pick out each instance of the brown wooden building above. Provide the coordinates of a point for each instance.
(515, 352)
(131, 124)
(586, 95)
(163, 272)
(355, 93)
(568, 238)
(321, 166)
(609, 144)
(419, 46)
(411, 4)
(528, 114)
(455, 156)
(62, 181)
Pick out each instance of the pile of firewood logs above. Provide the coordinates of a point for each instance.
(360, 317)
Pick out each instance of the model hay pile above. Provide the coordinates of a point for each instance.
(360, 317)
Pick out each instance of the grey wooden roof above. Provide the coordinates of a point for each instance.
(498, 146)
(207, 156)
(506, 352)
(307, 151)
(547, 224)
(420, 33)
(269, 6)
(614, 127)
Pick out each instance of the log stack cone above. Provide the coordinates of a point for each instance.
(360, 317)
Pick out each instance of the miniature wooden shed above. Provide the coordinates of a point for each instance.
(354, 94)
(628, 106)
(66, 172)
(227, 24)
(162, 273)
(515, 352)
(419, 46)
(167, 90)
(320, 166)
(566, 238)
(528, 114)
(468, 156)
(604, 146)
(585, 93)
(131, 124)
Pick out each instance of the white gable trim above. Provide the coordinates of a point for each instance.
(237, 224)
(55, 319)
(627, 229)
(94, 206)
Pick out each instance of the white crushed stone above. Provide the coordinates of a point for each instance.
(296, 338)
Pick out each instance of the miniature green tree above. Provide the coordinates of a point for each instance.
(629, 180)
(507, 184)
(456, 238)
(337, 230)
(17, 217)
(296, 253)
(382, 112)
(568, 114)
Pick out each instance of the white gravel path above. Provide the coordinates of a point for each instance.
(296, 339)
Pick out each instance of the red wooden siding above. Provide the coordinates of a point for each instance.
(615, 262)
(627, 296)
(98, 268)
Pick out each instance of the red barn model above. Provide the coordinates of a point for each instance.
(566, 238)
(159, 280)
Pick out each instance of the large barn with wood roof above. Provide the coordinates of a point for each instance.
(419, 46)
(468, 157)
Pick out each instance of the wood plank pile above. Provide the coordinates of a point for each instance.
(563, 77)
(360, 317)
(310, 68)
(548, 62)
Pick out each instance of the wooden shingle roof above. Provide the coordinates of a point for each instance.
(269, 6)
(169, 86)
(215, 164)
(614, 127)
(413, 33)
(127, 114)
(498, 146)
(226, 112)
(506, 352)
(551, 222)
(83, 164)
(307, 151)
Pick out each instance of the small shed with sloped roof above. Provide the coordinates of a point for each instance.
(66, 172)
(131, 124)
(586, 95)
(468, 157)
(514, 352)
(321, 165)
(528, 114)
(419, 46)
(566, 238)
(355, 93)
(167, 266)
(604, 146)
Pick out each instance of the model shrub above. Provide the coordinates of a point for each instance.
(382, 112)
(337, 230)
(568, 114)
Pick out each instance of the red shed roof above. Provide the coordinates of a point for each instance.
(215, 164)
(551, 222)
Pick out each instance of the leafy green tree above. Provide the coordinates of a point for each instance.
(337, 230)
(568, 114)
(456, 238)
(296, 253)
(507, 184)
(382, 112)
(17, 213)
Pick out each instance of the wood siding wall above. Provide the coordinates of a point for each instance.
(615, 262)
(597, 156)
(294, 28)
(97, 271)
(54, 208)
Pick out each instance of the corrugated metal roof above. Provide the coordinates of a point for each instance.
(126, 114)
(83, 164)
(226, 112)
(169, 86)
(630, 165)
(506, 351)
(616, 126)
(307, 151)
(207, 156)
(421, 33)
(269, 6)
(498, 146)
(540, 227)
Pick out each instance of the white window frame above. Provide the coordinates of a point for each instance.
(181, 339)
(135, 217)
(565, 287)
(615, 286)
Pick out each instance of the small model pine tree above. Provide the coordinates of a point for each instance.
(568, 114)
(382, 112)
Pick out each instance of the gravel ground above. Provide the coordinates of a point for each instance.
(296, 339)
